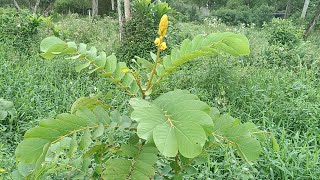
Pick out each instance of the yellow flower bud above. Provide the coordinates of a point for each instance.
(163, 46)
(163, 25)
(157, 42)
(161, 38)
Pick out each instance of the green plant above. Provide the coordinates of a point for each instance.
(137, 39)
(284, 32)
(286, 46)
(185, 12)
(19, 29)
(173, 129)
(66, 6)
(101, 32)
(6, 108)
(243, 14)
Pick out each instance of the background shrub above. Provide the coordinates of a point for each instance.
(19, 29)
(141, 30)
(241, 14)
(74, 6)
(186, 12)
(286, 47)
(284, 32)
(101, 32)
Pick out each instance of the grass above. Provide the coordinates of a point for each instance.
(280, 100)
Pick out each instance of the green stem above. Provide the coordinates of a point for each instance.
(153, 70)
(177, 165)
(137, 79)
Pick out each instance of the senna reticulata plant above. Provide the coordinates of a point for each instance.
(168, 134)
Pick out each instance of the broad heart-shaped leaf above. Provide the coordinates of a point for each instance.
(34, 147)
(177, 121)
(239, 135)
(139, 168)
(216, 43)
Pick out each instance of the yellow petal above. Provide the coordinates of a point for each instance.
(157, 42)
(163, 25)
(163, 46)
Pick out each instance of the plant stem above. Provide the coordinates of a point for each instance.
(177, 164)
(137, 79)
(153, 70)
(119, 83)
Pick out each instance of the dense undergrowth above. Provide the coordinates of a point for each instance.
(284, 99)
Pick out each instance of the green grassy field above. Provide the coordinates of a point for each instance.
(283, 100)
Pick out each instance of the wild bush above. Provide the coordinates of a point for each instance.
(286, 46)
(18, 29)
(186, 12)
(164, 134)
(101, 32)
(284, 32)
(245, 15)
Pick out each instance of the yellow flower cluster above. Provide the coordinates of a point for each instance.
(163, 27)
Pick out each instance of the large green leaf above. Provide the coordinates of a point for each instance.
(216, 43)
(177, 121)
(239, 135)
(140, 167)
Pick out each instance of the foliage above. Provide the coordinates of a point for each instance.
(243, 14)
(186, 12)
(6, 108)
(262, 14)
(65, 6)
(18, 29)
(286, 46)
(101, 32)
(283, 100)
(137, 40)
(284, 32)
(39, 89)
(177, 122)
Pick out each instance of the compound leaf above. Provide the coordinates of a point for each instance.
(213, 44)
(140, 167)
(239, 135)
(33, 149)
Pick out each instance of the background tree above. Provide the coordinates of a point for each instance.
(314, 21)
(16, 5)
(127, 11)
(120, 19)
(112, 5)
(304, 10)
(95, 5)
